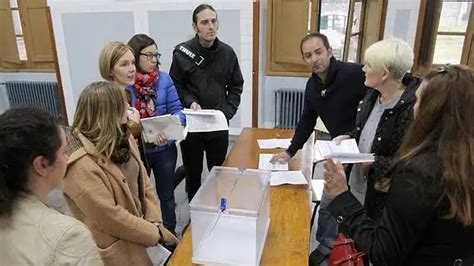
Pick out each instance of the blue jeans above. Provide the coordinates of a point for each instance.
(163, 164)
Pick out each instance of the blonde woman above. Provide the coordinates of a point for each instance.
(106, 185)
(117, 64)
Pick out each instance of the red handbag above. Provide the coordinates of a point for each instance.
(344, 253)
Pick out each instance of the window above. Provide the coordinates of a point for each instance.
(451, 32)
(340, 21)
(26, 36)
(288, 21)
(401, 20)
(444, 34)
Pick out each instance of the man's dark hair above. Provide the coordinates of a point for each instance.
(315, 35)
(200, 8)
(138, 42)
(25, 133)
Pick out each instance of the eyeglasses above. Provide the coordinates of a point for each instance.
(149, 56)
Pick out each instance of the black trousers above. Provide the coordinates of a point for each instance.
(214, 144)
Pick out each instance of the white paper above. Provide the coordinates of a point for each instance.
(169, 125)
(346, 152)
(273, 143)
(265, 164)
(287, 177)
(205, 120)
(317, 186)
(158, 254)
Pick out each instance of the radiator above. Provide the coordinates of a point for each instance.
(41, 94)
(288, 107)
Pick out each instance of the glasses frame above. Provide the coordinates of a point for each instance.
(149, 56)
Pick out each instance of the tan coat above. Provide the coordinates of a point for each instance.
(98, 194)
(38, 235)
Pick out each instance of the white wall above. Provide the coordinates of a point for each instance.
(82, 28)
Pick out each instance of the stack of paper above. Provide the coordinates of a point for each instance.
(346, 152)
(273, 143)
(287, 177)
(205, 120)
(169, 125)
(265, 164)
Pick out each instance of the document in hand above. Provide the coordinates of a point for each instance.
(346, 152)
(169, 125)
(205, 120)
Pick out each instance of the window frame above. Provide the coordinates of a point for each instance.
(430, 11)
(350, 34)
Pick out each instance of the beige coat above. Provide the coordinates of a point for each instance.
(98, 194)
(38, 235)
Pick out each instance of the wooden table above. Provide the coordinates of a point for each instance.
(287, 240)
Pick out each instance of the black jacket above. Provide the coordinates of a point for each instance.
(335, 101)
(388, 138)
(215, 82)
(411, 230)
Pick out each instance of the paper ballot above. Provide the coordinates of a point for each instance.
(169, 125)
(317, 186)
(273, 143)
(346, 152)
(205, 120)
(158, 254)
(265, 164)
(287, 177)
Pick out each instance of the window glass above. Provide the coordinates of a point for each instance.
(454, 16)
(448, 49)
(333, 23)
(20, 42)
(402, 19)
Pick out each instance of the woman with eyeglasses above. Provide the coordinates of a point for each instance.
(428, 217)
(154, 94)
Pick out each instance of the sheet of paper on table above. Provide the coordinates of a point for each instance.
(273, 143)
(287, 177)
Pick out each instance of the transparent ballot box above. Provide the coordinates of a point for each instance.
(230, 216)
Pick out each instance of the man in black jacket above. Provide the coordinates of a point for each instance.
(207, 75)
(332, 92)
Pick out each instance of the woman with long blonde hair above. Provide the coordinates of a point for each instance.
(428, 215)
(106, 185)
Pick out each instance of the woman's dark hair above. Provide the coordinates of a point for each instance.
(25, 133)
(138, 42)
(200, 8)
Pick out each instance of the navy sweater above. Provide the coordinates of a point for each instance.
(334, 100)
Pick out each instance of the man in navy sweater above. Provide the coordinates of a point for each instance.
(332, 93)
